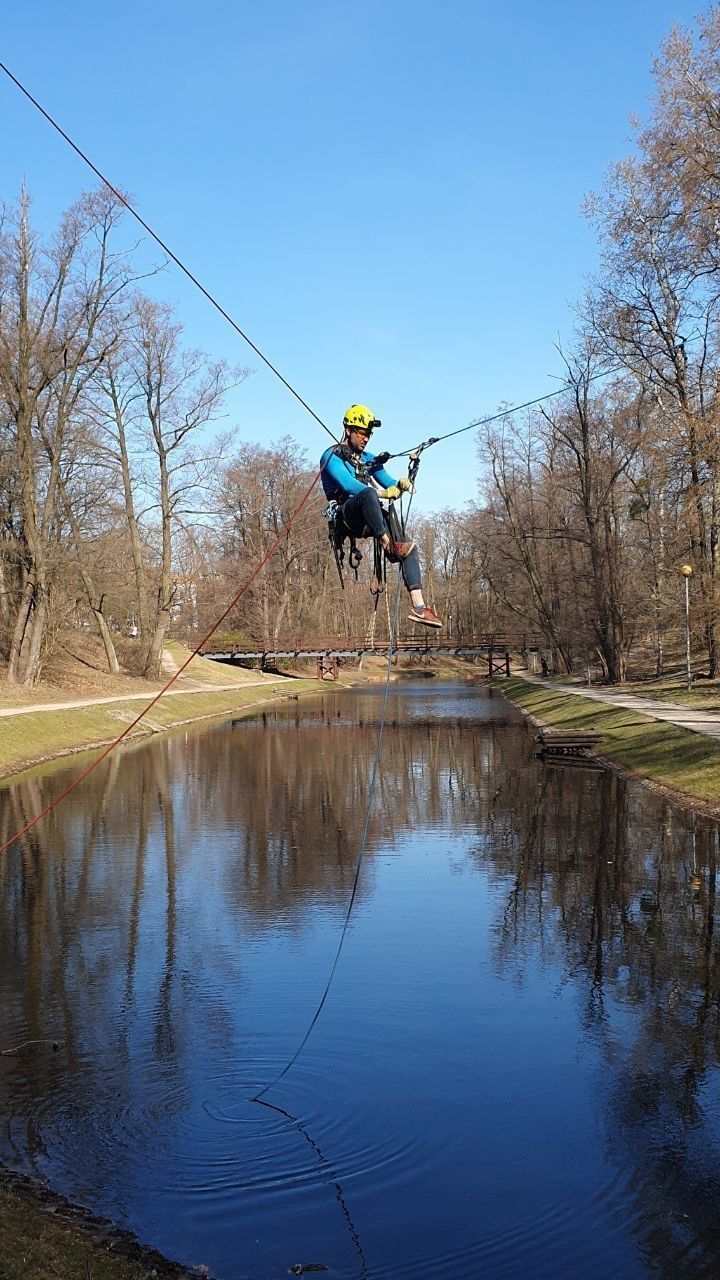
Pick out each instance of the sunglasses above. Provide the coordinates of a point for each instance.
(366, 431)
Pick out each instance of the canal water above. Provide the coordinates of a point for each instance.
(515, 1072)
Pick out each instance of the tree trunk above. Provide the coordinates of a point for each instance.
(19, 631)
(130, 513)
(153, 659)
(34, 636)
(106, 637)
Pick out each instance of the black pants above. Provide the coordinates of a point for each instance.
(364, 517)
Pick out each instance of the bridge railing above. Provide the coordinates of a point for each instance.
(328, 644)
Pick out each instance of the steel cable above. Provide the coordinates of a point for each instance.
(166, 249)
(495, 417)
(471, 426)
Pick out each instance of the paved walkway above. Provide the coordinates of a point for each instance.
(694, 718)
(196, 687)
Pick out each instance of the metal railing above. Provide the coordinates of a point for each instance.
(350, 646)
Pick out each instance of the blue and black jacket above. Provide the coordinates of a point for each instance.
(345, 473)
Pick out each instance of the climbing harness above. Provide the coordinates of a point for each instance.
(362, 467)
(379, 573)
(338, 533)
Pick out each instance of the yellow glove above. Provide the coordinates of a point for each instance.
(404, 485)
(392, 491)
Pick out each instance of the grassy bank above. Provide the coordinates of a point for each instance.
(205, 689)
(36, 1243)
(704, 694)
(34, 737)
(677, 759)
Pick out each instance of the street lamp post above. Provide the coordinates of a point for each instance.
(686, 571)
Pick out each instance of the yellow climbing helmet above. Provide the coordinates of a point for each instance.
(359, 416)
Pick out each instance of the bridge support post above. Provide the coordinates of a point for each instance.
(327, 666)
(490, 663)
(507, 662)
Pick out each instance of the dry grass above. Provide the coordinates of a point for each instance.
(77, 669)
(204, 671)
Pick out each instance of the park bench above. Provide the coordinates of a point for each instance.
(567, 742)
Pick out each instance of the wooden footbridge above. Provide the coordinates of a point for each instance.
(329, 651)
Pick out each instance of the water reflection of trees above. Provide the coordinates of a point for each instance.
(163, 865)
(299, 795)
(262, 820)
(194, 841)
(618, 892)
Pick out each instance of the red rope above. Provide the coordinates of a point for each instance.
(210, 297)
(111, 747)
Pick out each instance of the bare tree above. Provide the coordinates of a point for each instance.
(524, 515)
(181, 393)
(655, 308)
(259, 490)
(596, 442)
(53, 304)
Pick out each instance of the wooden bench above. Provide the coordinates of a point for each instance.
(562, 742)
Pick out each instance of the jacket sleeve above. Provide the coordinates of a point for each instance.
(383, 477)
(343, 476)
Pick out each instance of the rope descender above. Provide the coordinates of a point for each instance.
(414, 458)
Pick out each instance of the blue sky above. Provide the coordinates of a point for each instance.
(386, 196)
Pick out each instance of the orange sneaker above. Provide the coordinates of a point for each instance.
(397, 551)
(426, 616)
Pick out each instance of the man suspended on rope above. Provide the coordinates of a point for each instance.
(356, 480)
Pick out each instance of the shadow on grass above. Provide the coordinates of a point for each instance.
(679, 758)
